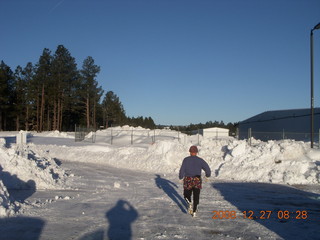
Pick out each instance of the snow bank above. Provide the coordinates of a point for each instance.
(56, 133)
(7, 208)
(21, 168)
(162, 156)
(285, 162)
(44, 171)
(288, 161)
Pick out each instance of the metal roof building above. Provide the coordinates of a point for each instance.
(214, 132)
(281, 124)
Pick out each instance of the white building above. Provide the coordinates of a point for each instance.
(214, 132)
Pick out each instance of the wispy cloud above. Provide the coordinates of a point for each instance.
(56, 6)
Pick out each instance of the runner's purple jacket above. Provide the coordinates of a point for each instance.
(192, 166)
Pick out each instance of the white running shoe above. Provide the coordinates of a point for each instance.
(190, 208)
(195, 213)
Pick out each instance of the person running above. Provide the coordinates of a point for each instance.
(190, 172)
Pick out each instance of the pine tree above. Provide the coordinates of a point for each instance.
(91, 92)
(41, 84)
(114, 113)
(20, 89)
(64, 84)
(6, 96)
(28, 75)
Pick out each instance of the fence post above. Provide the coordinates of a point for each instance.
(249, 136)
(21, 140)
(94, 136)
(111, 137)
(319, 139)
(238, 133)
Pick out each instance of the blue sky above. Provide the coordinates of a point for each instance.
(178, 61)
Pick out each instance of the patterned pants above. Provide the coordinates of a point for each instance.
(192, 185)
(192, 182)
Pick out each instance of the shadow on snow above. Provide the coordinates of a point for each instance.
(257, 198)
(169, 188)
(18, 189)
(123, 214)
(17, 228)
(120, 219)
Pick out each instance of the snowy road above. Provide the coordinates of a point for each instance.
(110, 203)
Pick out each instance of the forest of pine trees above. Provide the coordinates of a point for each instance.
(54, 94)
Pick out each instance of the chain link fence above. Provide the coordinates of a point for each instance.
(84, 133)
(266, 136)
(121, 136)
(134, 136)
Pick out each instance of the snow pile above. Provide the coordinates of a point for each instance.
(286, 161)
(7, 208)
(56, 133)
(45, 172)
(162, 156)
(21, 168)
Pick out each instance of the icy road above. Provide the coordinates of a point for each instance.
(111, 203)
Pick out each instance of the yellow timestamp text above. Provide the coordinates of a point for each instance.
(262, 214)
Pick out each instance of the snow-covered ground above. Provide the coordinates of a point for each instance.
(56, 188)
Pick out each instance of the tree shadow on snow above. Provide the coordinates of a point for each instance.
(18, 228)
(257, 198)
(18, 189)
(169, 188)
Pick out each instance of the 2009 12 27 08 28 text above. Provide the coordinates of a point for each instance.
(263, 214)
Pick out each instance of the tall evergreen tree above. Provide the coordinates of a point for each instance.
(6, 94)
(65, 80)
(149, 123)
(91, 92)
(41, 84)
(30, 94)
(20, 90)
(113, 110)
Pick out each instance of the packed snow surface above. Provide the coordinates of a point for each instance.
(286, 161)
(36, 165)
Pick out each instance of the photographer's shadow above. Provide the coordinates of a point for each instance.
(120, 218)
